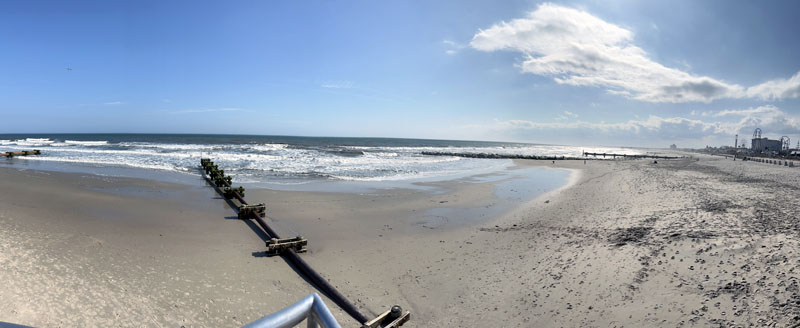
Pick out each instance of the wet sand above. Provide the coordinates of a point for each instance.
(629, 243)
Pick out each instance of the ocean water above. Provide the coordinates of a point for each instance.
(281, 160)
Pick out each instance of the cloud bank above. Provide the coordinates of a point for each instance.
(721, 125)
(576, 48)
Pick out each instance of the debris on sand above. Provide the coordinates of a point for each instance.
(624, 236)
(736, 289)
(790, 308)
(717, 206)
(692, 234)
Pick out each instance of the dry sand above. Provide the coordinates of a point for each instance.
(630, 243)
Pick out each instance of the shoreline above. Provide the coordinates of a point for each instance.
(627, 243)
(163, 222)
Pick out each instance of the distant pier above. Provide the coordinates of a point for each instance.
(496, 156)
(550, 158)
(604, 155)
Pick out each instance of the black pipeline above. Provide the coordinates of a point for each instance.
(288, 255)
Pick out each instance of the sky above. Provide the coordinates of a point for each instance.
(615, 73)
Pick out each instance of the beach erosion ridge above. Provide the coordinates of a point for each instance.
(527, 243)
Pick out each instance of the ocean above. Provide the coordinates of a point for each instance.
(281, 160)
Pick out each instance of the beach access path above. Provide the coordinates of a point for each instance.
(628, 243)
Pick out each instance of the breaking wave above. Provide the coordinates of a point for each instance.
(291, 159)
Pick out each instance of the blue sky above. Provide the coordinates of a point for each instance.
(638, 73)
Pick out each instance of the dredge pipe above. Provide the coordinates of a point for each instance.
(301, 265)
(316, 279)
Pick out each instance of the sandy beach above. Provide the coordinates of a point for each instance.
(626, 244)
(520, 164)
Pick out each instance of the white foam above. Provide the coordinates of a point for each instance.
(194, 147)
(263, 162)
(141, 152)
(269, 147)
(32, 142)
(85, 143)
(105, 162)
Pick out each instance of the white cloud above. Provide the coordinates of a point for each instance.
(577, 48)
(451, 43)
(777, 89)
(653, 124)
(769, 118)
(452, 47)
(207, 110)
(337, 84)
(743, 112)
(566, 115)
(111, 103)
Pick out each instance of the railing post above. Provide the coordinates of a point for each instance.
(311, 308)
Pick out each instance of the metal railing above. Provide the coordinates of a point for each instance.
(310, 308)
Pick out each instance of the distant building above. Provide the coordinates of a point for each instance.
(673, 146)
(763, 145)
